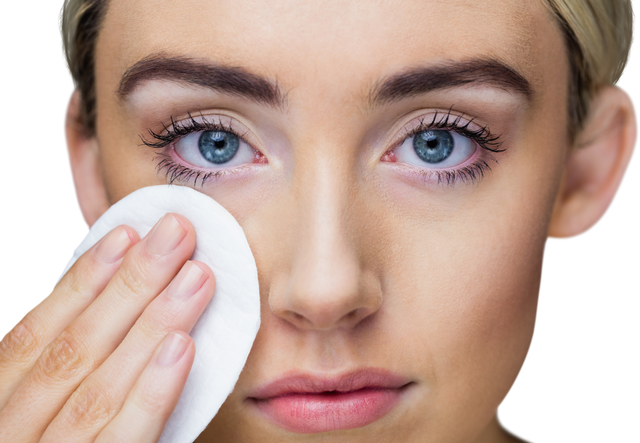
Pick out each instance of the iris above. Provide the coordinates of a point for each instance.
(218, 146)
(433, 146)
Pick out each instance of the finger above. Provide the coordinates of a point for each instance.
(146, 270)
(21, 347)
(154, 395)
(176, 309)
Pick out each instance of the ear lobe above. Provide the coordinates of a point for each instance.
(85, 164)
(596, 165)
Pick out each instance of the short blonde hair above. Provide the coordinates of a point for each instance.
(598, 36)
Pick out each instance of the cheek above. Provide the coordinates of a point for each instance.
(124, 175)
(126, 164)
(498, 260)
(462, 283)
(464, 305)
(508, 263)
(485, 315)
(497, 313)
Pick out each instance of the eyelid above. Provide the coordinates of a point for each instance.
(177, 168)
(451, 120)
(433, 119)
(471, 170)
(176, 129)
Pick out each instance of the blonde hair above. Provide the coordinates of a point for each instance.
(597, 33)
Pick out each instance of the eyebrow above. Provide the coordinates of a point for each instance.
(230, 80)
(240, 82)
(422, 80)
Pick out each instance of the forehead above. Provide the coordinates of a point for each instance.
(294, 40)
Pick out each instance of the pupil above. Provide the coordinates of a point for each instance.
(218, 146)
(433, 146)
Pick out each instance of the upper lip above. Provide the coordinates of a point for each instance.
(299, 383)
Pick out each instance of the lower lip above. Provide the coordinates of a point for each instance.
(311, 413)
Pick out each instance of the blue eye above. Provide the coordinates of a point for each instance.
(218, 147)
(213, 149)
(433, 146)
(436, 149)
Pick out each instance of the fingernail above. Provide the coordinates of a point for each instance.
(173, 348)
(113, 246)
(166, 236)
(187, 282)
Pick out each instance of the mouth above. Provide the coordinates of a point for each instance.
(310, 404)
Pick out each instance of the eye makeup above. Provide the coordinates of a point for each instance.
(428, 149)
(440, 147)
(215, 139)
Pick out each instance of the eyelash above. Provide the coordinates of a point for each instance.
(449, 122)
(175, 171)
(482, 136)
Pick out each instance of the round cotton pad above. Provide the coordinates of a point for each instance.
(227, 328)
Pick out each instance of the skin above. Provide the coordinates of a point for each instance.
(361, 263)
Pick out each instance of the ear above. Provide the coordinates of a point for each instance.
(85, 164)
(596, 165)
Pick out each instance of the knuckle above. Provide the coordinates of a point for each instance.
(148, 331)
(75, 280)
(62, 359)
(131, 279)
(23, 342)
(89, 407)
(154, 326)
(166, 318)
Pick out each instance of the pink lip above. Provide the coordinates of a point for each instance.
(308, 404)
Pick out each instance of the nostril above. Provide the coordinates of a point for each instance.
(296, 319)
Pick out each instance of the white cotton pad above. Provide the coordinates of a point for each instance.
(227, 328)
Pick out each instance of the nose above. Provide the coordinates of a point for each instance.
(328, 285)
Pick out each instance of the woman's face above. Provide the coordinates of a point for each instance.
(394, 166)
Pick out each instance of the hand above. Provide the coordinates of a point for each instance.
(106, 355)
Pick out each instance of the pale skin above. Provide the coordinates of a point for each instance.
(362, 261)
